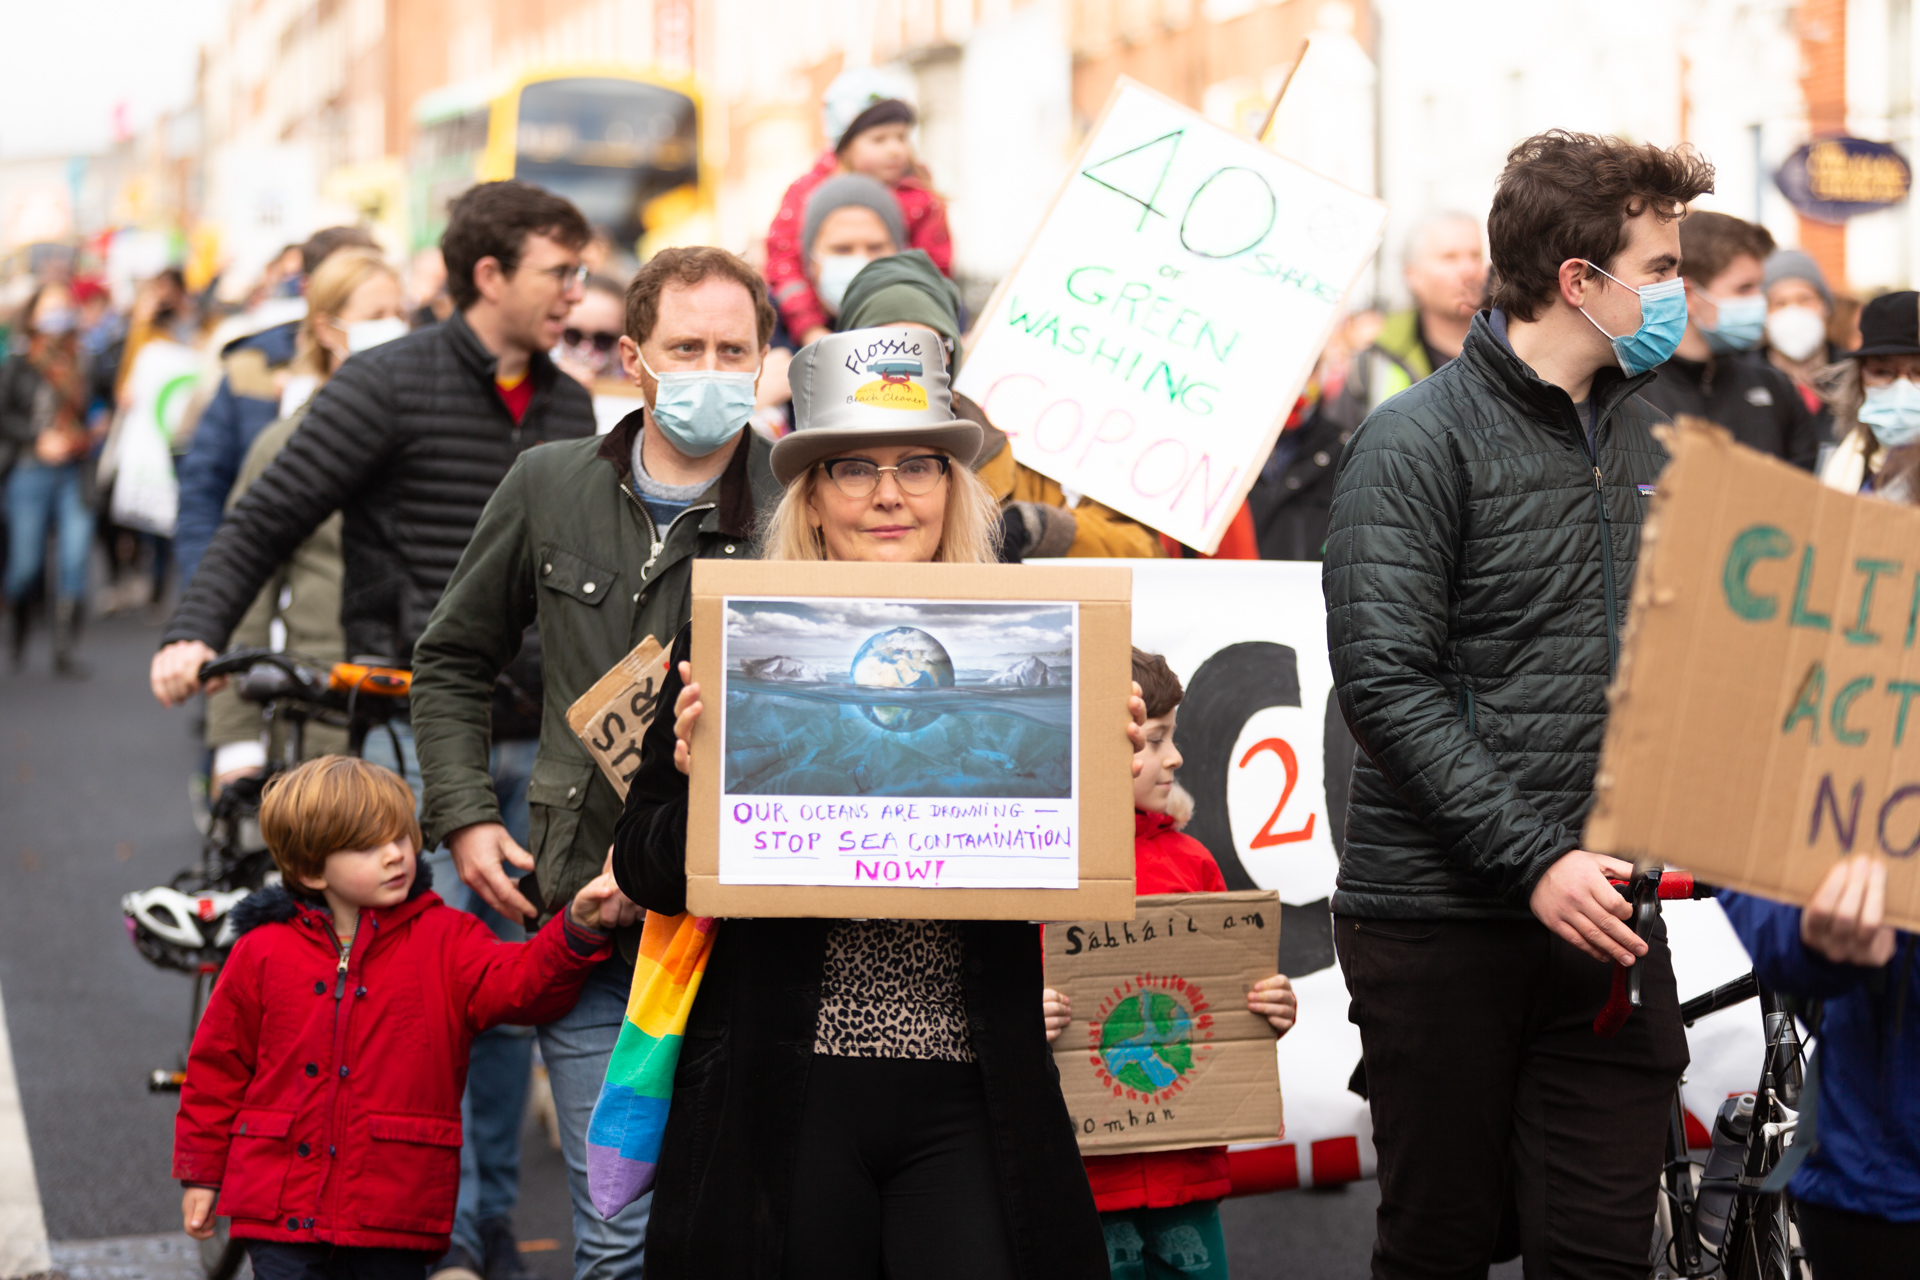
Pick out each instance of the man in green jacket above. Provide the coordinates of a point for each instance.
(594, 540)
(1485, 528)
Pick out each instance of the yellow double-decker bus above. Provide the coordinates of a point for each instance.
(622, 143)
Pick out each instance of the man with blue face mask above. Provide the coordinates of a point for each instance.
(594, 540)
(1717, 372)
(1483, 536)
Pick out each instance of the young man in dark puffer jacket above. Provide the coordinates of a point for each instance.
(1485, 528)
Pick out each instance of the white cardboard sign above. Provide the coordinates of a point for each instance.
(1148, 347)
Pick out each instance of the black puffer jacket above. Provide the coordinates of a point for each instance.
(409, 440)
(1472, 619)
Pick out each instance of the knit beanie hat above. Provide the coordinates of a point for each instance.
(851, 189)
(904, 289)
(1792, 264)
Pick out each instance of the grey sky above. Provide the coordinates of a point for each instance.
(69, 64)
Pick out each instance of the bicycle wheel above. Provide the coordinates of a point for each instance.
(1762, 1240)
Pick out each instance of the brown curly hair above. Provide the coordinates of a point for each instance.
(1570, 195)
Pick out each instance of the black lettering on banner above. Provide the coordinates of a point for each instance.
(1075, 935)
(632, 749)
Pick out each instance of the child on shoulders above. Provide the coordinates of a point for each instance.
(1157, 1206)
(321, 1107)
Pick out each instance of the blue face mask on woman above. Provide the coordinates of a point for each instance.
(701, 409)
(1892, 413)
(1742, 322)
(1663, 320)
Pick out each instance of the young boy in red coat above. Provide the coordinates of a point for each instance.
(1161, 1209)
(876, 140)
(322, 1100)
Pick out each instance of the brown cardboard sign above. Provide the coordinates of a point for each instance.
(1761, 712)
(1161, 1052)
(911, 741)
(613, 716)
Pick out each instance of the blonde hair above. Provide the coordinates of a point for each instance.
(969, 532)
(329, 804)
(328, 289)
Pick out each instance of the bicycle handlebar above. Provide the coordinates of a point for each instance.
(306, 681)
(1673, 885)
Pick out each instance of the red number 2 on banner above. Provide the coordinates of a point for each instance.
(1267, 837)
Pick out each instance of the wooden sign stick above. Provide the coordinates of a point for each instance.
(1273, 109)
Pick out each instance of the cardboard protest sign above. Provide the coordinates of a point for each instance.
(1760, 715)
(1248, 639)
(613, 716)
(911, 741)
(1161, 1052)
(1148, 346)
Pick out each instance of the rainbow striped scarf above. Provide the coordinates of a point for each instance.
(623, 1139)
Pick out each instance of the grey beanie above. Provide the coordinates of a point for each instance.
(1791, 264)
(851, 189)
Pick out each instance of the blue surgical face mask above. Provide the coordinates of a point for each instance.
(1743, 321)
(365, 334)
(1663, 320)
(1892, 413)
(701, 409)
(56, 322)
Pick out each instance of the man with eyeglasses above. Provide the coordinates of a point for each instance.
(594, 541)
(409, 440)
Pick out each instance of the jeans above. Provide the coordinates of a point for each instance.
(576, 1049)
(500, 1066)
(39, 497)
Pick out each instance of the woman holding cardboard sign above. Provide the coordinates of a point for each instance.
(854, 1097)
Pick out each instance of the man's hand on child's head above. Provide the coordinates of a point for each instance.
(1273, 999)
(196, 1212)
(600, 905)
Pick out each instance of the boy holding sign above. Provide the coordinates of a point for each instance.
(1160, 1210)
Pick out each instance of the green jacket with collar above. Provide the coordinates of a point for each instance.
(564, 543)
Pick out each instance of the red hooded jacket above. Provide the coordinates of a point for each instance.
(1164, 861)
(324, 1101)
(925, 215)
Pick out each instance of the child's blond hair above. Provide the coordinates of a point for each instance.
(329, 804)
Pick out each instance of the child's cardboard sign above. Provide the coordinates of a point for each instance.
(911, 741)
(1149, 344)
(1161, 1052)
(613, 716)
(1761, 711)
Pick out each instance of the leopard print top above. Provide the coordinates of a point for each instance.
(892, 990)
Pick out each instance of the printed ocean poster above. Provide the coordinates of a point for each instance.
(856, 727)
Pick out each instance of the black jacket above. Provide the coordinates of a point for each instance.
(409, 440)
(1477, 573)
(726, 1164)
(1293, 497)
(1747, 396)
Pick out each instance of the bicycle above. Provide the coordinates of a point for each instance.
(1717, 1219)
(186, 924)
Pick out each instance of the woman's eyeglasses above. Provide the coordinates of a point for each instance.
(601, 342)
(857, 478)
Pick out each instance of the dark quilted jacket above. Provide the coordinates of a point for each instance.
(1468, 606)
(409, 440)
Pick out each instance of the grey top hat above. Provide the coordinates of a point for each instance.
(869, 387)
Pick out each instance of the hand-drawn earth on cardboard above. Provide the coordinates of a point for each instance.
(937, 698)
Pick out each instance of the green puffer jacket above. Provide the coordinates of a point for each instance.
(1472, 619)
(563, 542)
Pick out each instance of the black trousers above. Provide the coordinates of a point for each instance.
(274, 1260)
(1494, 1101)
(896, 1175)
(1858, 1246)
